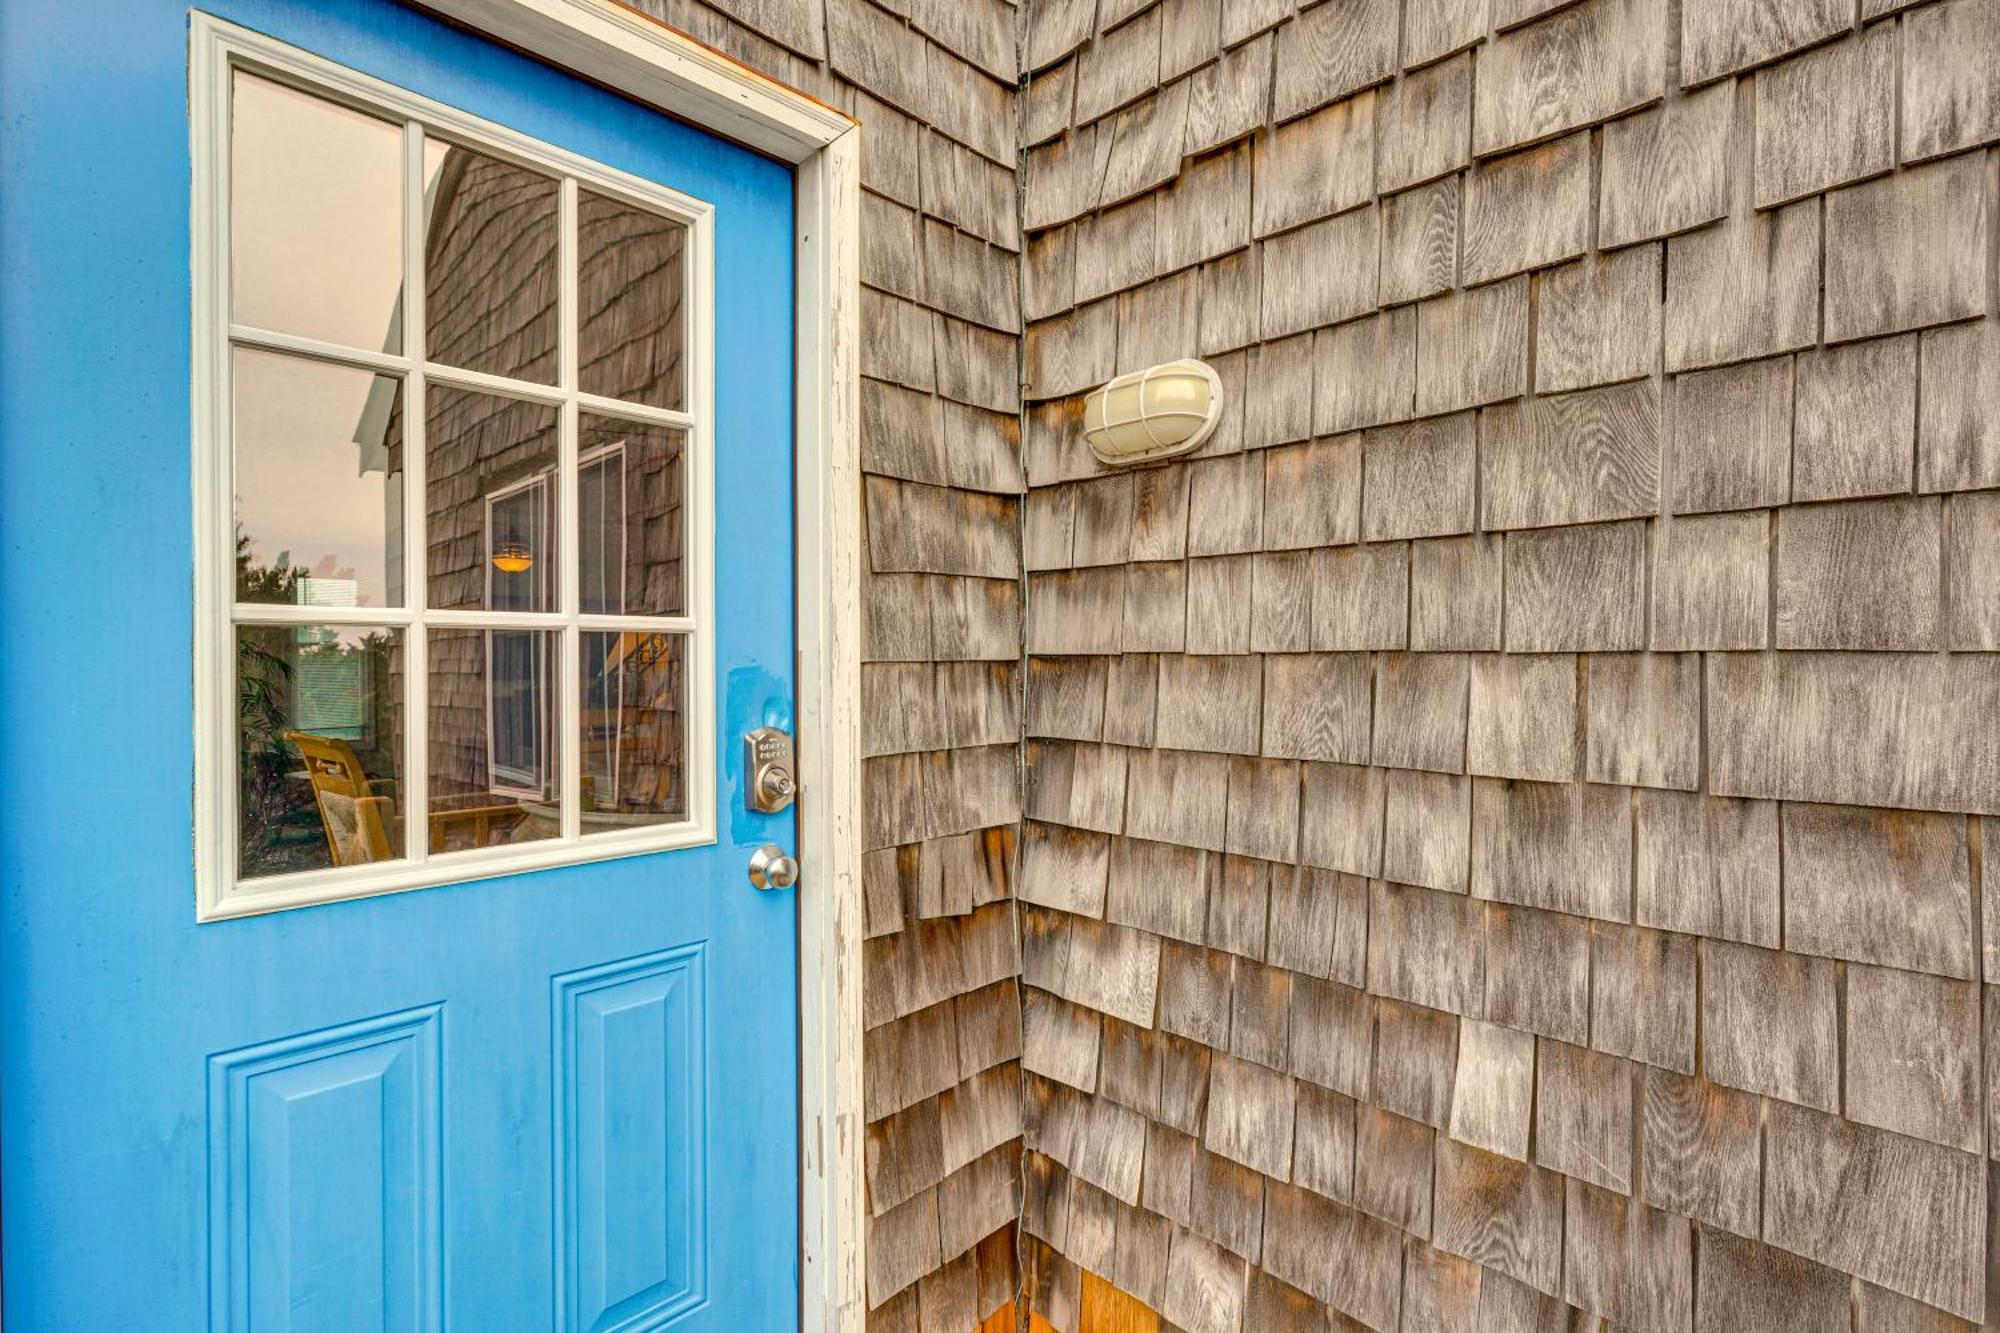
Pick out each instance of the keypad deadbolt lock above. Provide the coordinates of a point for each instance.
(771, 772)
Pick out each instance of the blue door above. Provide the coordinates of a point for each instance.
(395, 548)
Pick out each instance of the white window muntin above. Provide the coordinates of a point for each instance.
(218, 51)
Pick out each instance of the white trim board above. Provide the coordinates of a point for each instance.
(654, 64)
(667, 69)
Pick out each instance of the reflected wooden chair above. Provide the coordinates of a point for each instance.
(358, 816)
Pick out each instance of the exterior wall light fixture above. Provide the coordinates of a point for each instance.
(1154, 413)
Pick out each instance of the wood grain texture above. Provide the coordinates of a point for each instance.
(1322, 273)
(1316, 166)
(1131, 698)
(1951, 99)
(1419, 254)
(1178, 797)
(1732, 437)
(1331, 52)
(1250, 1116)
(1700, 1152)
(1219, 604)
(1334, 1023)
(1364, 372)
(1434, 28)
(1744, 287)
(1494, 1090)
(1205, 1286)
(1628, 1263)
(1907, 250)
(1281, 602)
(1066, 698)
(1341, 827)
(1424, 121)
(1281, 411)
(1643, 720)
(1576, 589)
(1317, 706)
(1414, 1060)
(1420, 479)
(1666, 170)
(1427, 947)
(1563, 847)
(1159, 888)
(1711, 582)
(1770, 1023)
(1913, 1057)
(1064, 868)
(1538, 972)
(1239, 907)
(1826, 117)
(1455, 593)
(1576, 458)
(1972, 546)
(1426, 829)
(1527, 209)
(1881, 886)
(1260, 1014)
(1856, 413)
(1600, 320)
(1722, 36)
(1584, 64)
(1312, 493)
(1642, 995)
(1420, 702)
(1897, 1211)
(1225, 505)
(1522, 717)
(1227, 99)
(1864, 574)
(1360, 597)
(1501, 1213)
(1742, 1284)
(1856, 728)
(1708, 865)
(1472, 347)
(1210, 703)
(1392, 1173)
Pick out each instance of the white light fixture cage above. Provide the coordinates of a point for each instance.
(1156, 413)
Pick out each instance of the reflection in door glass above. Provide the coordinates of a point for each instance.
(634, 730)
(631, 532)
(490, 231)
(631, 281)
(315, 217)
(493, 761)
(490, 501)
(319, 483)
(319, 743)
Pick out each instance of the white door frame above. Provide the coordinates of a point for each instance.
(652, 63)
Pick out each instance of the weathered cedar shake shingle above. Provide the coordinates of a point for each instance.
(1700, 1153)
(1722, 36)
(1856, 408)
(1585, 64)
(1826, 117)
(1770, 1023)
(1423, 122)
(1897, 1211)
(1522, 717)
(1538, 972)
(1907, 250)
(1494, 1089)
(1952, 99)
(1666, 170)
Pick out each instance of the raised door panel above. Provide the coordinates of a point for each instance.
(629, 1052)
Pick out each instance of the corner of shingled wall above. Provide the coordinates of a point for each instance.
(1499, 832)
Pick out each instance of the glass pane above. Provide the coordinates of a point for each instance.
(490, 483)
(490, 231)
(494, 777)
(634, 730)
(315, 217)
(319, 482)
(319, 746)
(630, 525)
(631, 284)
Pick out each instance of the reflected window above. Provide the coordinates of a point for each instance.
(536, 568)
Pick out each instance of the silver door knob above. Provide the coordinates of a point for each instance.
(770, 868)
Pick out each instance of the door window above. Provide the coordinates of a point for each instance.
(454, 582)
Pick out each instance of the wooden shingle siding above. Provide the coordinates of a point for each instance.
(1501, 830)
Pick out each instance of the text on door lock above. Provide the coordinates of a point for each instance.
(770, 775)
